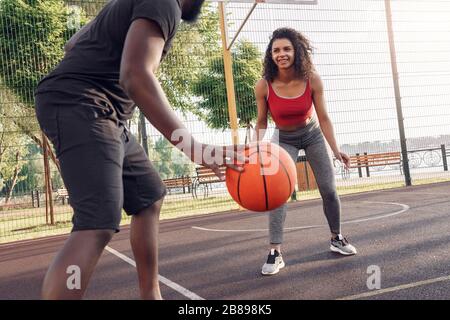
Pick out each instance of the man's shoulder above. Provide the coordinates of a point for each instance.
(160, 4)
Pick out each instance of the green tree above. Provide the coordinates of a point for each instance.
(213, 107)
(192, 46)
(12, 152)
(33, 170)
(14, 144)
(32, 37)
(181, 165)
(90, 7)
(162, 158)
(169, 161)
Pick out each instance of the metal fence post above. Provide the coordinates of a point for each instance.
(367, 164)
(444, 157)
(401, 126)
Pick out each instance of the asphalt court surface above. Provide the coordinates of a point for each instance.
(404, 232)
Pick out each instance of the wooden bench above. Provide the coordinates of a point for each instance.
(63, 195)
(204, 180)
(366, 161)
(179, 183)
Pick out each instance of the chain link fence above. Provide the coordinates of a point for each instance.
(352, 54)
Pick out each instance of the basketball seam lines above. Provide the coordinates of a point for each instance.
(239, 187)
(285, 171)
(263, 176)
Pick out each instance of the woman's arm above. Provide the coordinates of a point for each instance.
(324, 119)
(261, 102)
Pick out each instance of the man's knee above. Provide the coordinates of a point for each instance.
(153, 209)
(105, 235)
(99, 236)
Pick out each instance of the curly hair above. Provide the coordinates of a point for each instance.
(302, 51)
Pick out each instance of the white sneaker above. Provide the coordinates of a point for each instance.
(342, 246)
(273, 264)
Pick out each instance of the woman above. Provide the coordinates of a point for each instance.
(291, 90)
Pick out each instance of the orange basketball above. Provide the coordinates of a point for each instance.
(268, 180)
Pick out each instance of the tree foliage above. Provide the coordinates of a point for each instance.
(169, 161)
(13, 143)
(213, 107)
(188, 57)
(32, 37)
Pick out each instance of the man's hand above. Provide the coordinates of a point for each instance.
(214, 157)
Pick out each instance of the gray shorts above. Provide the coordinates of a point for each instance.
(103, 166)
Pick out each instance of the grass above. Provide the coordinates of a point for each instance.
(31, 223)
(24, 224)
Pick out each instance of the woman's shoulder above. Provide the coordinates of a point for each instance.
(261, 85)
(315, 80)
(314, 76)
(262, 82)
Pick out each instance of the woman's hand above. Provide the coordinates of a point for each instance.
(343, 158)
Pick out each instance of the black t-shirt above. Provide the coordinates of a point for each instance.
(91, 69)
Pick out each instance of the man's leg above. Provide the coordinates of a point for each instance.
(90, 152)
(144, 242)
(82, 251)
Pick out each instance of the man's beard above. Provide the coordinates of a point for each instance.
(190, 15)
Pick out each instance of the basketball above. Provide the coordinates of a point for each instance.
(268, 179)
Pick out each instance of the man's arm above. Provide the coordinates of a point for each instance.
(140, 59)
(69, 45)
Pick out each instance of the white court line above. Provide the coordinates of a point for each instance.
(408, 191)
(404, 208)
(397, 288)
(433, 193)
(185, 292)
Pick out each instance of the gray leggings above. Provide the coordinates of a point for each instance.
(311, 139)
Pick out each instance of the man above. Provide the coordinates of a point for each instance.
(83, 105)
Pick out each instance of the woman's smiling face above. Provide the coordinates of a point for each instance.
(283, 53)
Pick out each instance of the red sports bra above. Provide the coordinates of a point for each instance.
(290, 111)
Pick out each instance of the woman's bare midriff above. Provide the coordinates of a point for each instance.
(296, 126)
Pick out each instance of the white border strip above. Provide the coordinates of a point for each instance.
(185, 292)
(404, 208)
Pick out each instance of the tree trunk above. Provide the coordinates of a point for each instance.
(14, 180)
(38, 141)
(50, 151)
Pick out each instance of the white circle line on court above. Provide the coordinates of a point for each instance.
(408, 191)
(185, 292)
(396, 288)
(403, 206)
